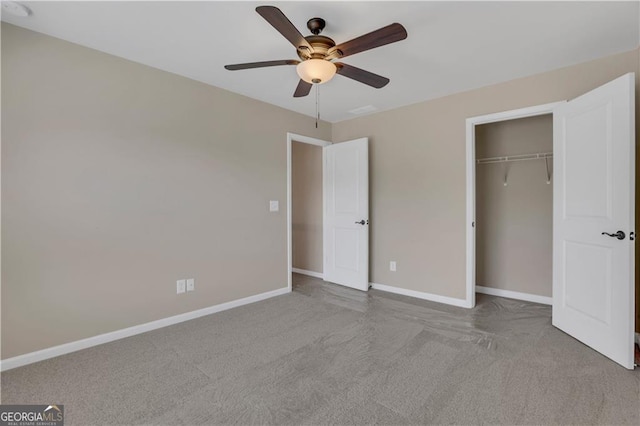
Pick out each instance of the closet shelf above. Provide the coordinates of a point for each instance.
(520, 157)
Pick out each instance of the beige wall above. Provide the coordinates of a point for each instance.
(117, 180)
(306, 206)
(417, 171)
(514, 222)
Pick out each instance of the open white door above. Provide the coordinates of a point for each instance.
(346, 213)
(594, 170)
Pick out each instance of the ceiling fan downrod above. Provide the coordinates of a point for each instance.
(316, 25)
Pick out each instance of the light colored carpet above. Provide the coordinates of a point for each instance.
(330, 355)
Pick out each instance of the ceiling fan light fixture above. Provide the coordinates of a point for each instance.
(316, 71)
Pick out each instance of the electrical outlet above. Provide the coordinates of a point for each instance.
(392, 266)
(191, 284)
(180, 286)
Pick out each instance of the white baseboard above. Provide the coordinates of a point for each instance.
(421, 295)
(66, 348)
(514, 295)
(309, 273)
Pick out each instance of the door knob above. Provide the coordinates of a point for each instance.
(619, 235)
(362, 222)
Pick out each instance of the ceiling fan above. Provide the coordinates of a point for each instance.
(316, 52)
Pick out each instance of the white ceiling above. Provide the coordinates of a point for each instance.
(451, 47)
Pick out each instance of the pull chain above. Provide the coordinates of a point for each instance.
(317, 104)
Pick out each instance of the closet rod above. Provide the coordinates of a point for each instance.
(521, 157)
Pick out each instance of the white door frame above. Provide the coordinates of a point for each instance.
(292, 137)
(472, 122)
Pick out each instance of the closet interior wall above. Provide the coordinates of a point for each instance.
(306, 206)
(514, 222)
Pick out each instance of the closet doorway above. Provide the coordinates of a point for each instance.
(514, 208)
(510, 204)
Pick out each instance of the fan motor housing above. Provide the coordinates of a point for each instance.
(321, 45)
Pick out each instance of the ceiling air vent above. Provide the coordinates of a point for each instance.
(363, 110)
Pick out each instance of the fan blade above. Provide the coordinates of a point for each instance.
(389, 34)
(303, 89)
(248, 65)
(366, 77)
(276, 18)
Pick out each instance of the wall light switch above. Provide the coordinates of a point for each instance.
(392, 266)
(274, 206)
(180, 286)
(191, 284)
